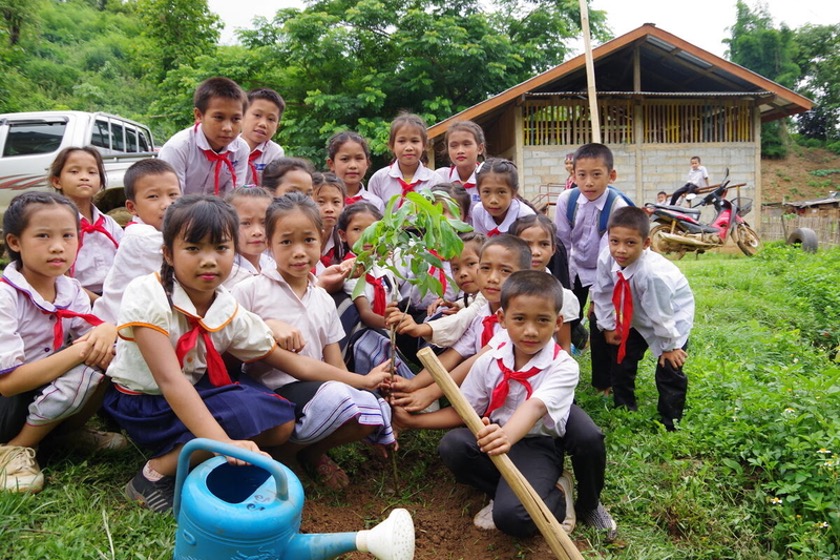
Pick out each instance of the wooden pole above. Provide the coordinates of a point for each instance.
(590, 74)
(559, 542)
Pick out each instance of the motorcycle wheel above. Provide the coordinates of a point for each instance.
(747, 239)
(661, 246)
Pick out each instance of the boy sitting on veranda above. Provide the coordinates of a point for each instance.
(523, 388)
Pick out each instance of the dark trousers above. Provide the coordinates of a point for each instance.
(13, 413)
(601, 355)
(584, 441)
(539, 459)
(582, 294)
(685, 189)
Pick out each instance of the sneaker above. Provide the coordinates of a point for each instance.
(484, 518)
(580, 337)
(601, 519)
(19, 471)
(88, 440)
(157, 496)
(565, 484)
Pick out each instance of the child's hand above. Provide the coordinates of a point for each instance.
(414, 401)
(287, 337)
(401, 419)
(612, 337)
(332, 278)
(247, 445)
(404, 322)
(448, 307)
(378, 376)
(492, 439)
(675, 357)
(97, 345)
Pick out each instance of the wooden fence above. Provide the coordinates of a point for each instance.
(776, 224)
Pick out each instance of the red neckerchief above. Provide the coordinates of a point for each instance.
(348, 256)
(622, 300)
(352, 199)
(500, 392)
(254, 155)
(406, 187)
(58, 329)
(489, 323)
(466, 184)
(216, 369)
(219, 159)
(493, 232)
(379, 300)
(438, 272)
(327, 259)
(86, 227)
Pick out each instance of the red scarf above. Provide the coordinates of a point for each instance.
(254, 155)
(379, 299)
(216, 368)
(489, 323)
(220, 159)
(438, 272)
(500, 392)
(327, 258)
(623, 301)
(406, 188)
(352, 199)
(86, 227)
(493, 232)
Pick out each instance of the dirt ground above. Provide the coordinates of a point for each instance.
(790, 179)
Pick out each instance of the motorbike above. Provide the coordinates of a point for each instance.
(677, 230)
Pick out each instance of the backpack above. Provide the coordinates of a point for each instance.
(612, 194)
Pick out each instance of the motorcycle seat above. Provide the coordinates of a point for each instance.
(682, 209)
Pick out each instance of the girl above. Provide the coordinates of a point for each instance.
(498, 187)
(354, 220)
(540, 233)
(44, 384)
(329, 194)
(288, 174)
(464, 268)
(348, 156)
(331, 405)
(169, 381)
(78, 174)
(465, 145)
(569, 163)
(250, 204)
(407, 141)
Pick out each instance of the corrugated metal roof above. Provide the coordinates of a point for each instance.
(654, 93)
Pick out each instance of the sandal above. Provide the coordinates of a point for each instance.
(330, 474)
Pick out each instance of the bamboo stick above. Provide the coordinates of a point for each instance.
(559, 542)
(590, 73)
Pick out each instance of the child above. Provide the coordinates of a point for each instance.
(581, 218)
(348, 156)
(42, 382)
(523, 388)
(661, 197)
(463, 268)
(698, 177)
(210, 157)
(569, 164)
(643, 300)
(170, 384)
(498, 188)
(286, 175)
(329, 194)
(465, 145)
(407, 141)
(78, 174)
(457, 194)
(250, 204)
(265, 109)
(151, 186)
(331, 404)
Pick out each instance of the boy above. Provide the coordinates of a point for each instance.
(151, 185)
(210, 157)
(523, 387)
(583, 235)
(643, 300)
(265, 109)
(698, 177)
(661, 197)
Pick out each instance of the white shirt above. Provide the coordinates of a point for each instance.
(663, 305)
(196, 173)
(584, 241)
(554, 385)
(269, 151)
(699, 177)
(389, 283)
(140, 253)
(447, 330)
(232, 329)
(385, 182)
(484, 223)
(97, 252)
(368, 196)
(270, 296)
(27, 332)
(470, 342)
(242, 269)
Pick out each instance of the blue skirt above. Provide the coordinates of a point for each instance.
(243, 410)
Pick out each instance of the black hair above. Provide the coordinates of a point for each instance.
(459, 196)
(143, 168)
(631, 217)
(595, 151)
(194, 217)
(61, 160)
(224, 88)
(499, 166)
(16, 218)
(535, 220)
(351, 210)
(338, 139)
(513, 244)
(475, 238)
(273, 173)
(287, 204)
(328, 179)
(247, 191)
(532, 283)
(268, 94)
(410, 120)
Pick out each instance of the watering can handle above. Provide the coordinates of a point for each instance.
(256, 459)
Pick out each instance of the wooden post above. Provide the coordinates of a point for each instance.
(559, 542)
(592, 94)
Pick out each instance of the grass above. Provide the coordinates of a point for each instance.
(752, 473)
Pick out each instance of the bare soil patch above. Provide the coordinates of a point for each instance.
(791, 178)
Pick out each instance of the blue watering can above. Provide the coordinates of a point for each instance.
(228, 512)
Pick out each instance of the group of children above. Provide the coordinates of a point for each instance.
(229, 297)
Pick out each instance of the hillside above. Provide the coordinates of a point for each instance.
(792, 179)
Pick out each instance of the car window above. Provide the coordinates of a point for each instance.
(117, 138)
(33, 138)
(101, 135)
(130, 140)
(145, 143)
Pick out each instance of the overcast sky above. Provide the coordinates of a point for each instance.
(703, 23)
